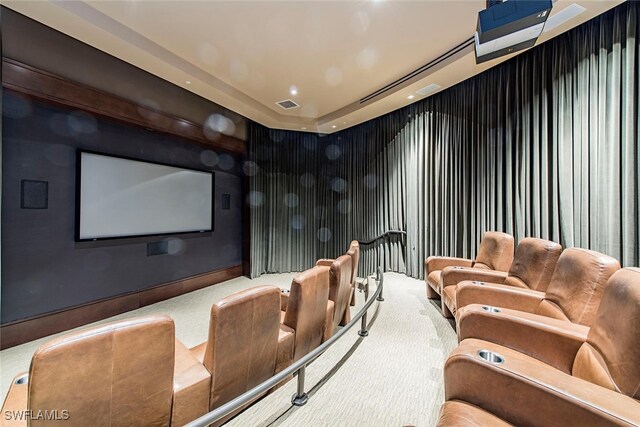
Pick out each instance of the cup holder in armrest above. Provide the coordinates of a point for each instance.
(477, 282)
(22, 380)
(458, 268)
(285, 291)
(490, 309)
(491, 357)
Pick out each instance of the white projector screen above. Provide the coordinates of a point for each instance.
(120, 197)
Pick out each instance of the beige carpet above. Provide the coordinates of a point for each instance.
(393, 377)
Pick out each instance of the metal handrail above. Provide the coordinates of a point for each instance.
(383, 235)
(300, 398)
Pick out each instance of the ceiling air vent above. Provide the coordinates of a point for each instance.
(428, 89)
(287, 104)
(414, 74)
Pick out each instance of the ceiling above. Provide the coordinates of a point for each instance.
(247, 55)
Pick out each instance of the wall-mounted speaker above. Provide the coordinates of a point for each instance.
(226, 202)
(34, 194)
(158, 248)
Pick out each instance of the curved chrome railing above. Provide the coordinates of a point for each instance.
(382, 236)
(300, 398)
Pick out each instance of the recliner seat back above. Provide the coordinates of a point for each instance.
(577, 285)
(354, 253)
(243, 342)
(307, 309)
(340, 274)
(495, 251)
(610, 356)
(116, 374)
(533, 264)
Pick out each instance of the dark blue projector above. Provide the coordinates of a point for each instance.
(509, 26)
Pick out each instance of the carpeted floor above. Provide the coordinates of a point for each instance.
(393, 377)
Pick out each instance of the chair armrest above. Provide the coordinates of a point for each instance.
(191, 387)
(14, 408)
(286, 341)
(451, 276)
(462, 414)
(497, 295)
(324, 262)
(525, 391)
(434, 263)
(552, 341)
(284, 299)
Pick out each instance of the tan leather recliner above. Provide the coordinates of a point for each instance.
(598, 386)
(119, 374)
(340, 271)
(354, 253)
(532, 268)
(307, 308)
(244, 343)
(495, 253)
(573, 295)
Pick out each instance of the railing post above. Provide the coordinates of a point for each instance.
(300, 398)
(380, 280)
(363, 326)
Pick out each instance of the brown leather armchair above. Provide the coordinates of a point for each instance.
(494, 253)
(307, 308)
(340, 272)
(354, 253)
(573, 295)
(532, 267)
(598, 387)
(122, 373)
(245, 343)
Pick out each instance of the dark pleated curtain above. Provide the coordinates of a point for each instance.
(545, 144)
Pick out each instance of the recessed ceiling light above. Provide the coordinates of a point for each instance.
(304, 128)
(334, 126)
(344, 123)
(410, 97)
(188, 82)
(293, 90)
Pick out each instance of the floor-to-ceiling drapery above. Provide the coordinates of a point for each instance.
(545, 144)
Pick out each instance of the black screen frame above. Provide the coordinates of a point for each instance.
(79, 153)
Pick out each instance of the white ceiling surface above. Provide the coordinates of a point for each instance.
(245, 55)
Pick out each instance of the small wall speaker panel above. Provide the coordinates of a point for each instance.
(34, 194)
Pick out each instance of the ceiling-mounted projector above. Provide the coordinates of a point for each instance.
(507, 26)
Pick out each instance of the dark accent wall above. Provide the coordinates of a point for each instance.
(43, 268)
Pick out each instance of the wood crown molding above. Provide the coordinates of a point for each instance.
(25, 330)
(51, 88)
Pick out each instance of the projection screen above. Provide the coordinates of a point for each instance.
(119, 197)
